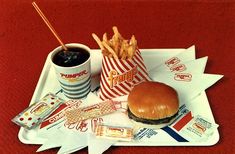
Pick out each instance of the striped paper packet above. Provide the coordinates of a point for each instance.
(114, 132)
(119, 76)
(92, 111)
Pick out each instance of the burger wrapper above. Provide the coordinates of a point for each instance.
(119, 76)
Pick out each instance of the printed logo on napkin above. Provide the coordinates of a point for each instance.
(119, 76)
(177, 65)
(182, 62)
(183, 77)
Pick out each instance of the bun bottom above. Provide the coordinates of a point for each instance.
(151, 126)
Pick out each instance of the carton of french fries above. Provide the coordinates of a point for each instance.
(122, 65)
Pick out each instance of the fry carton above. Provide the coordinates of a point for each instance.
(118, 76)
(122, 65)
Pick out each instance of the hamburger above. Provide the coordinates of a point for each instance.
(152, 104)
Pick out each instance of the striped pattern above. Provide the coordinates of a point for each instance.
(174, 135)
(121, 67)
(77, 91)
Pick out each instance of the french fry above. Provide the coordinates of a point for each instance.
(115, 40)
(105, 52)
(124, 55)
(105, 37)
(121, 51)
(110, 55)
(125, 47)
(130, 51)
(133, 42)
(117, 47)
(110, 50)
(98, 41)
(115, 31)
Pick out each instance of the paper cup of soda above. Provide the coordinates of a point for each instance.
(73, 69)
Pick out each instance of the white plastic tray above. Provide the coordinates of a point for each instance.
(152, 57)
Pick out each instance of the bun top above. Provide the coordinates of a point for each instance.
(153, 100)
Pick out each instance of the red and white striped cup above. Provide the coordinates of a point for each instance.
(119, 76)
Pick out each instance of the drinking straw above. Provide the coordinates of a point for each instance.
(49, 25)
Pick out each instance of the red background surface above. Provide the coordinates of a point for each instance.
(25, 42)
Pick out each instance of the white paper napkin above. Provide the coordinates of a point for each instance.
(73, 141)
(187, 55)
(98, 145)
(152, 61)
(188, 89)
(194, 66)
(54, 139)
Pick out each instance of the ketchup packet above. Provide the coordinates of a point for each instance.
(37, 112)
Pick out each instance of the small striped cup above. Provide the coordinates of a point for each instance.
(75, 81)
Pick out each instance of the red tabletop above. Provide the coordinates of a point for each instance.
(25, 42)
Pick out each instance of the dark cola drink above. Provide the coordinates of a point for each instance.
(72, 57)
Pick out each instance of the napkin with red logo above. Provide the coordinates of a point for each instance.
(119, 76)
(187, 77)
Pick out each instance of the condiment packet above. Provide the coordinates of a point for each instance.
(196, 129)
(119, 133)
(37, 112)
(96, 110)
